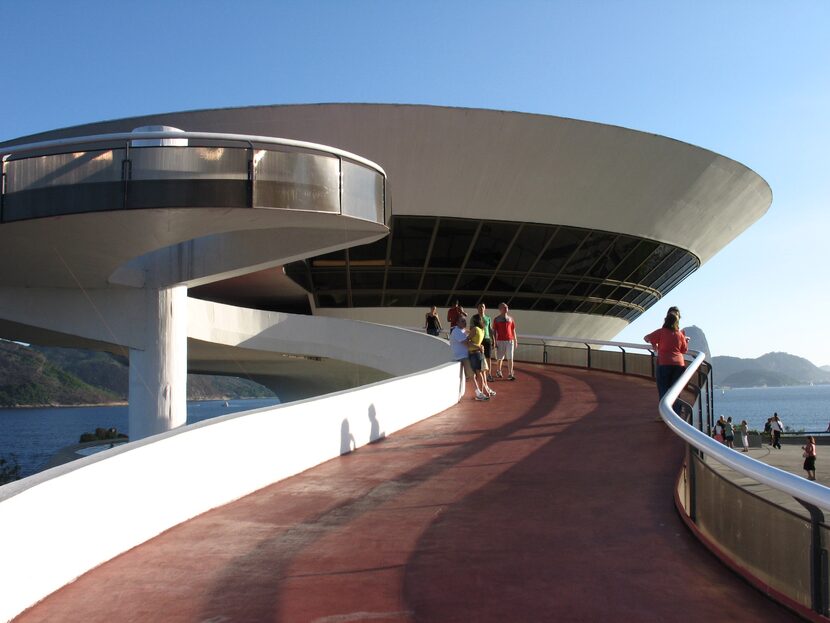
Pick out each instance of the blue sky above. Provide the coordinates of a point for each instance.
(747, 79)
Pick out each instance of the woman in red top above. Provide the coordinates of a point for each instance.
(670, 343)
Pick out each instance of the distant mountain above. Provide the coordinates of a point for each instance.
(27, 377)
(772, 369)
(697, 340)
(37, 375)
(825, 368)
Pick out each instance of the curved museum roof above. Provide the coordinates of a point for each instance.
(550, 214)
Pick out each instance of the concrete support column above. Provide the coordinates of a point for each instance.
(158, 373)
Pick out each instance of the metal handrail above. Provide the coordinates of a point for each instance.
(792, 484)
(11, 150)
(796, 486)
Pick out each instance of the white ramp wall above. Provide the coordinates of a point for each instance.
(56, 525)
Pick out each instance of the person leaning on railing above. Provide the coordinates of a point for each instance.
(671, 344)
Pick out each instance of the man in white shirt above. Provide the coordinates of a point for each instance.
(777, 428)
(459, 343)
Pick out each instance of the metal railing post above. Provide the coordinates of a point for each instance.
(340, 183)
(126, 175)
(691, 482)
(251, 176)
(624, 371)
(818, 560)
(589, 355)
(653, 366)
(544, 351)
(3, 189)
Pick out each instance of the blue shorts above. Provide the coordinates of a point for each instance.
(476, 360)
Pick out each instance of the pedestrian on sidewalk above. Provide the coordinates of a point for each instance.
(729, 433)
(777, 428)
(743, 428)
(810, 458)
(720, 427)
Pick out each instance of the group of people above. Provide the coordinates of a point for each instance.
(725, 432)
(472, 343)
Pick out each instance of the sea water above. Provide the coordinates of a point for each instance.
(33, 435)
(801, 408)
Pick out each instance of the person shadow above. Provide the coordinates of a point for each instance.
(375, 434)
(347, 442)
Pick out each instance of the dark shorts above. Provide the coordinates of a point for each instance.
(487, 343)
(434, 331)
(810, 464)
(476, 360)
(666, 377)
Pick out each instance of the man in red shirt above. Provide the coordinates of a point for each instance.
(455, 313)
(506, 341)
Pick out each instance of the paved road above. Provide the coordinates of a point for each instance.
(551, 502)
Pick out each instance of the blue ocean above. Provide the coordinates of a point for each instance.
(34, 435)
(802, 408)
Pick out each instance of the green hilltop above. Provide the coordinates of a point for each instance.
(44, 376)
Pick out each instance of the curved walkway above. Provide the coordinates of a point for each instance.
(553, 501)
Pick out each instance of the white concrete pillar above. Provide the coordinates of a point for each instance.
(158, 373)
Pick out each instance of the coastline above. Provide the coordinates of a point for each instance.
(119, 403)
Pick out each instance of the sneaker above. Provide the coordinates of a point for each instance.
(492, 393)
(511, 378)
(489, 378)
(481, 396)
(498, 374)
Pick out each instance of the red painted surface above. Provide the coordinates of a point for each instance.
(551, 502)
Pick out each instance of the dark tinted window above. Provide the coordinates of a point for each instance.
(639, 254)
(373, 254)
(590, 252)
(526, 248)
(572, 269)
(410, 240)
(366, 300)
(535, 284)
(473, 281)
(329, 279)
(452, 243)
(559, 251)
(367, 279)
(439, 281)
(493, 240)
(402, 280)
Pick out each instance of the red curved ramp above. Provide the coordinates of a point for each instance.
(551, 502)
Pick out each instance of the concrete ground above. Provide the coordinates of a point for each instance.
(551, 502)
(787, 458)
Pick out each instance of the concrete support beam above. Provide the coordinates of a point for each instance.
(158, 372)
